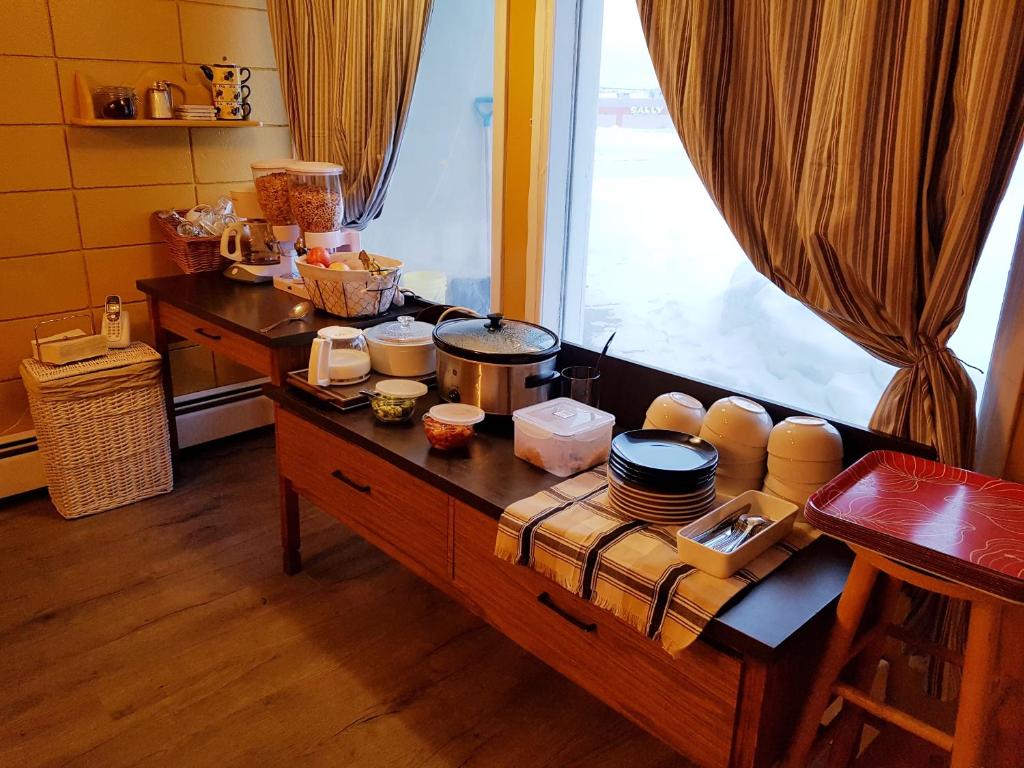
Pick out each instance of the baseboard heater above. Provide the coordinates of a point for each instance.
(215, 413)
(21, 464)
(201, 417)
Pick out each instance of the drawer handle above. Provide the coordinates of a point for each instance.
(545, 599)
(207, 334)
(349, 481)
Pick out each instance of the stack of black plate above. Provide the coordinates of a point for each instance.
(662, 477)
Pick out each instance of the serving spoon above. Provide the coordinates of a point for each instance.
(299, 311)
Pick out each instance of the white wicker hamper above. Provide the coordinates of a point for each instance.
(102, 429)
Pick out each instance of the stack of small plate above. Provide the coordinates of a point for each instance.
(662, 477)
(195, 112)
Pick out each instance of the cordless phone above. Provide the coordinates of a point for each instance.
(116, 326)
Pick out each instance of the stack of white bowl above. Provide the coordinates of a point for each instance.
(675, 411)
(804, 453)
(739, 429)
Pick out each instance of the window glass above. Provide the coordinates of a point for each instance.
(436, 216)
(648, 255)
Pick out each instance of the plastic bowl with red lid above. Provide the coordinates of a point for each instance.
(450, 425)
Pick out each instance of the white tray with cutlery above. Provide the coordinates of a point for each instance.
(730, 536)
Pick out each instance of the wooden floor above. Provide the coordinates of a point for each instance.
(165, 634)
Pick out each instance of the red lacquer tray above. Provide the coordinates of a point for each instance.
(961, 525)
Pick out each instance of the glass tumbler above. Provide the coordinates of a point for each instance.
(582, 384)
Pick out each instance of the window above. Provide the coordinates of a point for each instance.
(436, 216)
(647, 254)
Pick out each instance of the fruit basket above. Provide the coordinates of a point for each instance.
(352, 293)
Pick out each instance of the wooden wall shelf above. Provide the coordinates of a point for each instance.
(191, 80)
(93, 122)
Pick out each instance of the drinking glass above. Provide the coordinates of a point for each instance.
(582, 384)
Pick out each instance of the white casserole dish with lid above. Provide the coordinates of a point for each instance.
(402, 347)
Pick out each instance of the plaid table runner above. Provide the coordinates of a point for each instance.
(571, 534)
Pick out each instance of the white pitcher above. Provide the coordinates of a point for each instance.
(320, 362)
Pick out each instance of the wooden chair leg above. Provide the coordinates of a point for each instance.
(980, 659)
(849, 613)
(850, 722)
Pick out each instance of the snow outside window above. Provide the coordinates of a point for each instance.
(647, 254)
(437, 213)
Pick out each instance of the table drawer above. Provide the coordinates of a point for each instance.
(690, 702)
(403, 516)
(223, 342)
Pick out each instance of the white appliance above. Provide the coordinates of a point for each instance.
(258, 255)
(338, 356)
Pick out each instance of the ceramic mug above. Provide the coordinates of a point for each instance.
(223, 92)
(226, 74)
(232, 110)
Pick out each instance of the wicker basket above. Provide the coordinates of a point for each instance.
(191, 254)
(102, 429)
(351, 293)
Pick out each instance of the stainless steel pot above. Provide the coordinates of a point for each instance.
(499, 365)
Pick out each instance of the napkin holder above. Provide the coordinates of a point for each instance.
(67, 346)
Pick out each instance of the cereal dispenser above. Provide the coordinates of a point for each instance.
(314, 193)
(271, 180)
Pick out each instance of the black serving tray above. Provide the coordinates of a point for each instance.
(346, 397)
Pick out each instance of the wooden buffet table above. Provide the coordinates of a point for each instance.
(733, 697)
(226, 316)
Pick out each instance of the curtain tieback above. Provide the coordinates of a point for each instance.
(929, 348)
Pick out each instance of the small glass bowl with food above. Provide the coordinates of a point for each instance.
(450, 425)
(394, 400)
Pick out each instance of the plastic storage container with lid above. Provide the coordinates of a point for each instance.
(394, 400)
(314, 193)
(563, 436)
(450, 425)
(271, 182)
(403, 347)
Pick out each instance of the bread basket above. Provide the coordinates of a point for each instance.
(354, 292)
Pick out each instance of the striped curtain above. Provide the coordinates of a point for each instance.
(347, 70)
(858, 152)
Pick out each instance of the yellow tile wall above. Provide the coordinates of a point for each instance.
(75, 202)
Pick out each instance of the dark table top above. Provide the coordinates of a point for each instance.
(488, 477)
(246, 307)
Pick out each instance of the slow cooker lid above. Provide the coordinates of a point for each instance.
(495, 338)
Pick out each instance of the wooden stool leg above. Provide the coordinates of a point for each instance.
(851, 607)
(979, 678)
(850, 722)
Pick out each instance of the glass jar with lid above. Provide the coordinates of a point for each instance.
(115, 102)
(271, 180)
(314, 194)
